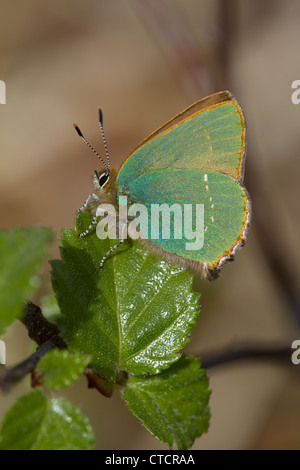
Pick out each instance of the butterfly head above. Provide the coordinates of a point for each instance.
(104, 180)
(100, 179)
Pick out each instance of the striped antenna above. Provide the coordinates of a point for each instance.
(89, 145)
(103, 136)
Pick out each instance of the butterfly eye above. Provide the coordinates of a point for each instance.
(103, 178)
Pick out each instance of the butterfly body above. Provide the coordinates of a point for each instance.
(196, 158)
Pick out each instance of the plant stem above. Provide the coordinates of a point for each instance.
(44, 333)
(242, 352)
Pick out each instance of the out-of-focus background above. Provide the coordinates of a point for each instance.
(144, 61)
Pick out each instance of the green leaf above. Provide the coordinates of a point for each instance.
(134, 315)
(22, 252)
(38, 422)
(49, 307)
(59, 368)
(173, 405)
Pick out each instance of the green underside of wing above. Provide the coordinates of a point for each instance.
(211, 139)
(224, 203)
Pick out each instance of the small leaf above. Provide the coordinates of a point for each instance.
(134, 315)
(50, 308)
(37, 422)
(22, 252)
(59, 368)
(173, 405)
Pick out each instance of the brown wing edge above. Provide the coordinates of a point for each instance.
(205, 103)
(213, 271)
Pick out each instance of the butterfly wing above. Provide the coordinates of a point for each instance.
(225, 206)
(198, 158)
(210, 134)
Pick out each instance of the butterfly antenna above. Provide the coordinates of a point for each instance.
(89, 145)
(103, 136)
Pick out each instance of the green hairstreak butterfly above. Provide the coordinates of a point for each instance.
(196, 158)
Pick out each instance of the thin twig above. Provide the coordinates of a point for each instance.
(10, 377)
(39, 328)
(44, 333)
(243, 352)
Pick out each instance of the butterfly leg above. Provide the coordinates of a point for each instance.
(94, 221)
(92, 195)
(113, 248)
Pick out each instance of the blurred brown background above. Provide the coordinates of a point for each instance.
(144, 61)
